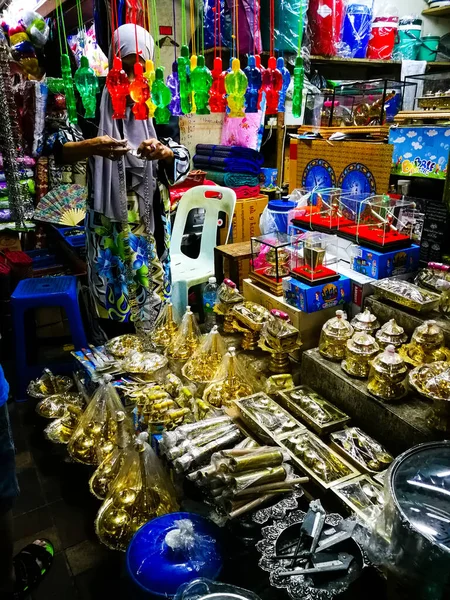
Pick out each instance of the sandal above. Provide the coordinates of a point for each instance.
(31, 565)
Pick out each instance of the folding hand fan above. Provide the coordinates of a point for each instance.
(65, 205)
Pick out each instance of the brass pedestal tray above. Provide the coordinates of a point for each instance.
(123, 345)
(55, 407)
(61, 430)
(426, 346)
(433, 383)
(49, 384)
(280, 338)
(248, 319)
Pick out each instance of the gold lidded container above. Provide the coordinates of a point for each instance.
(365, 322)
(279, 338)
(227, 296)
(334, 336)
(49, 384)
(426, 346)
(391, 334)
(123, 345)
(387, 375)
(361, 349)
(249, 318)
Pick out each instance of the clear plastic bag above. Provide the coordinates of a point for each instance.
(384, 32)
(356, 29)
(203, 366)
(140, 492)
(187, 338)
(233, 381)
(201, 589)
(325, 19)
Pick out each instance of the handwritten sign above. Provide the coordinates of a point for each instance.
(200, 129)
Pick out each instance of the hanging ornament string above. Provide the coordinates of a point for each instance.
(237, 29)
(183, 23)
(156, 33)
(216, 16)
(233, 29)
(255, 24)
(272, 27)
(192, 20)
(300, 29)
(81, 27)
(202, 25)
(63, 25)
(219, 25)
(174, 30)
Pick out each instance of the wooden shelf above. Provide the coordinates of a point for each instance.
(45, 7)
(441, 11)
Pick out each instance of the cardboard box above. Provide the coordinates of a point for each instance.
(349, 165)
(361, 286)
(51, 322)
(379, 265)
(316, 297)
(420, 151)
(246, 217)
(309, 326)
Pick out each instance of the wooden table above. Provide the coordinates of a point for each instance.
(234, 253)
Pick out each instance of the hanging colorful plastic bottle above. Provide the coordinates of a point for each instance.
(272, 82)
(236, 86)
(140, 93)
(254, 79)
(118, 87)
(87, 85)
(299, 76)
(217, 93)
(261, 69)
(161, 97)
(286, 81)
(173, 83)
(192, 66)
(184, 77)
(201, 81)
(149, 75)
(71, 103)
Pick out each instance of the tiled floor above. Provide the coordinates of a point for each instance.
(55, 503)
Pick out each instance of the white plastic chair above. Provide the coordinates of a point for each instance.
(187, 271)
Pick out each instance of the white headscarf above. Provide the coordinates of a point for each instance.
(106, 177)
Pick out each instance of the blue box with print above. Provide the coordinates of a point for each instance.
(420, 151)
(310, 299)
(380, 265)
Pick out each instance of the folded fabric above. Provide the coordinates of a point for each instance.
(5, 215)
(233, 180)
(230, 152)
(26, 161)
(233, 165)
(246, 191)
(28, 182)
(22, 174)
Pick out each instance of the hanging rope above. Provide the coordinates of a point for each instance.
(255, 22)
(63, 26)
(192, 22)
(156, 33)
(174, 29)
(300, 29)
(183, 23)
(272, 26)
(81, 27)
(219, 24)
(237, 29)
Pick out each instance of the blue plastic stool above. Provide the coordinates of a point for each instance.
(35, 293)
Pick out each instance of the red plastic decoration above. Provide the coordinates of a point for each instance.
(118, 87)
(217, 93)
(140, 93)
(272, 82)
(382, 41)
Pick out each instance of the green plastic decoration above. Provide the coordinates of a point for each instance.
(161, 97)
(184, 77)
(236, 86)
(297, 97)
(201, 81)
(71, 103)
(87, 85)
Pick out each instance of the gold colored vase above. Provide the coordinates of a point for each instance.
(361, 349)
(387, 375)
(334, 336)
(391, 334)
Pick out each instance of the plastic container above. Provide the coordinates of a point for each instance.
(165, 553)
(382, 40)
(209, 301)
(277, 214)
(408, 39)
(356, 30)
(428, 48)
(325, 18)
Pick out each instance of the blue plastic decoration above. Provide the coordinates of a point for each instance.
(254, 85)
(173, 83)
(286, 81)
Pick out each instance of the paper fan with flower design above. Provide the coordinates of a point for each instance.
(65, 205)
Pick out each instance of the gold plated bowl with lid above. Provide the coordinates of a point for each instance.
(387, 375)
(361, 349)
(334, 336)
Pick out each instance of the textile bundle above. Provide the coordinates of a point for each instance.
(232, 159)
(233, 180)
